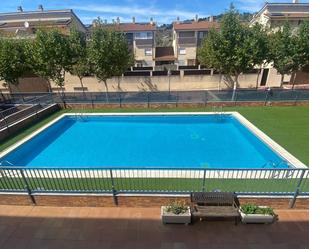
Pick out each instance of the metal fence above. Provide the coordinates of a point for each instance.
(27, 105)
(280, 182)
(174, 97)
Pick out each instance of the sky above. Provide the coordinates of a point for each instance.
(162, 11)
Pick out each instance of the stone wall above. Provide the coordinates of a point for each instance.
(154, 83)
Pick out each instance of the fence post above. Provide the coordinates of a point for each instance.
(5, 121)
(266, 98)
(148, 99)
(204, 181)
(113, 188)
(91, 97)
(26, 185)
(120, 100)
(205, 98)
(292, 202)
(296, 98)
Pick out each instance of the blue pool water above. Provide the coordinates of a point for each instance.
(200, 141)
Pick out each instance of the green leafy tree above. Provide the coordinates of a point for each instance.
(50, 55)
(108, 53)
(229, 50)
(301, 57)
(259, 47)
(283, 51)
(80, 65)
(13, 61)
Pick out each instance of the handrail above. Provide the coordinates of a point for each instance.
(150, 168)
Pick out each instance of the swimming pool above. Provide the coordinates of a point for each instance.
(147, 141)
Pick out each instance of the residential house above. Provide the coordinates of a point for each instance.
(25, 23)
(141, 40)
(274, 15)
(188, 36)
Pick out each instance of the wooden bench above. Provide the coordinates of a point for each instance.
(214, 204)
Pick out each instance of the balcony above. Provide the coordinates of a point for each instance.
(144, 42)
(187, 41)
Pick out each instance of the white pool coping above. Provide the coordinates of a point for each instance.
(278, 149)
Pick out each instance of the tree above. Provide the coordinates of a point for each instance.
(13, 61)
(229, 50)
(259, 46)
(80, 65)
(50, 55)
(301, 57)
(283, 51)
(108, 53)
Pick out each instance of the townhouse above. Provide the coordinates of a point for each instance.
(141, 40)
(25, 23)
(188, 36)
(274, 15)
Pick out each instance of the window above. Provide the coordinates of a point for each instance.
(182, 51)
(148, 51)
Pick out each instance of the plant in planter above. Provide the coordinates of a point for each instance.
(251, 213)
(176, 212)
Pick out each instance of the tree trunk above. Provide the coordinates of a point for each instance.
(2, 96)
(293, 80)
(220, 80)
(82, 85)
(258, 77)
(106, 91)
(235, 84)
(282, 79)
(118, 78)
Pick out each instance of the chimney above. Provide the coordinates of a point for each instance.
(196, 18)
(295, 1)
(118, 20)
(211, 18)
(19, 9)
(151, 21)
(177, 20)
(133, 19)
(40, 7)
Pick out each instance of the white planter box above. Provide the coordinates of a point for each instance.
(256, 218)
(168, 217)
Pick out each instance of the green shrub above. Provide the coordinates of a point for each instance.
(177, 207)
(254, 209)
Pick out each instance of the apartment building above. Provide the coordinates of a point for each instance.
(187, 37)
(274, 15)
(25, 23)
(141, 40)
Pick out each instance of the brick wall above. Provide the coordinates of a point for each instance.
(133, 201)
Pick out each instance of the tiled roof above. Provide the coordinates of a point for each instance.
(287, 7)
(200, 25)
(131, 27)
(13, 18)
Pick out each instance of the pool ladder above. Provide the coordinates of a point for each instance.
(218, 110)
(6, 162)
(80, 115)
(274, 165)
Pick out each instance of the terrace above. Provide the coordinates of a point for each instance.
(26, 227)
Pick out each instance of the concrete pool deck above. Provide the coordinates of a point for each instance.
(28, 227)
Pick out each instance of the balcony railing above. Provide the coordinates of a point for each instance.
(144, 42)
(187, 40)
